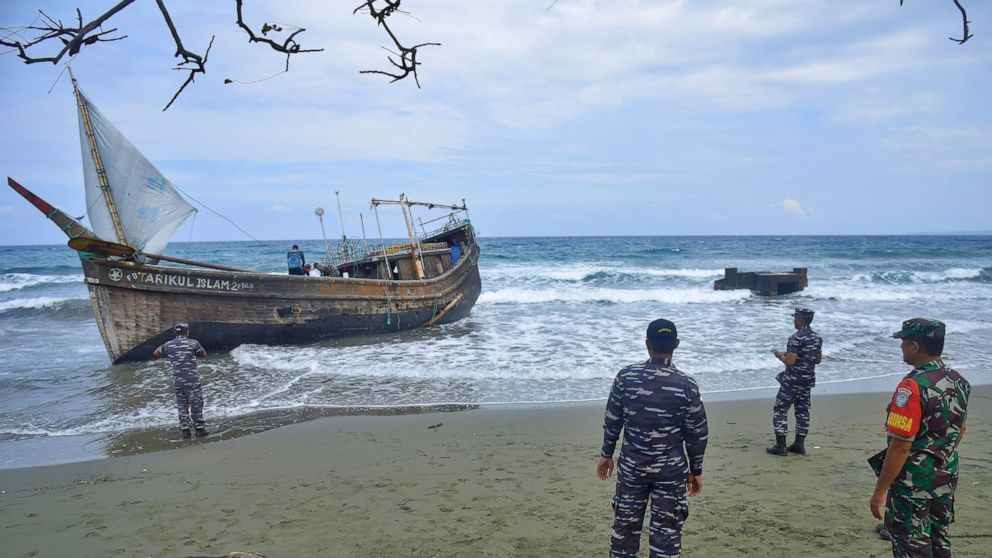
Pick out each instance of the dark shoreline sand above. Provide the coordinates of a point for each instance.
(510, 481)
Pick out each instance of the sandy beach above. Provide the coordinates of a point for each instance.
(505, 481)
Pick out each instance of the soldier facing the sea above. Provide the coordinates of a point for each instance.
(926, 422)
(802, 354)
(182, 352)
(663, 421)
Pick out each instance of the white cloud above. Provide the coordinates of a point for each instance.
(281, 209)
(792, 207)
(6, 209)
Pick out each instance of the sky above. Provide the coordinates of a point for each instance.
(575, 117)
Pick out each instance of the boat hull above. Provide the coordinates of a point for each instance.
(136, 305)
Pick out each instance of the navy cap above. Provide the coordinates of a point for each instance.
(803, 313)
(662, 332)
(181, 326)
(921, 327)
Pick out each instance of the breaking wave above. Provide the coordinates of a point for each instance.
(599, 273)
(46, 306)
(700, 295)
(15, 281)
(956, 274)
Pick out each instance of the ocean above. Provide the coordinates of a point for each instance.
(556, 319)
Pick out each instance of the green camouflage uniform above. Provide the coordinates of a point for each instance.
(920, 502)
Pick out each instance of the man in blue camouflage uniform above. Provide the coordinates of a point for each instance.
(182, 352)
(663, 420)
(801, 356)
(926, 422)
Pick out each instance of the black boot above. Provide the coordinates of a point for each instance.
(799, 446)
(201, 432)
(779, 447)
(186, 433)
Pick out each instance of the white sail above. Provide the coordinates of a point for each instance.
(148, 205)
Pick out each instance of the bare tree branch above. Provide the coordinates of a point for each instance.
(71, 38)
(407, 63)
(964, 20)
(199, 69)
(198, 63)
(288, 47)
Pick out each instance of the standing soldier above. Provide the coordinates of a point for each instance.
(182, 352)
(802, 354)
(925, 425)
(662, 417)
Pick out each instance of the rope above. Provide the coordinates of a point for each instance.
(389, 307)
(208, 208)
(189, 239)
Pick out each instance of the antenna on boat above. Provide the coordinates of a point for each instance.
(319, 212)
(337, 194)
(382, 243)
(365, 241)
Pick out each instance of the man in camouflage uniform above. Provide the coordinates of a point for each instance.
(663, 420)
(802, 354)
(182, 352)
(926, 421)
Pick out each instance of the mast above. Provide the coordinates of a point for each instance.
(414, 246)
(98, 162)
(405, 204)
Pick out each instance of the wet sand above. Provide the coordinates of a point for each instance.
(509, 481)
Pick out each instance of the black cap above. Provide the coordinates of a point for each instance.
(662, 333)
(803, 313)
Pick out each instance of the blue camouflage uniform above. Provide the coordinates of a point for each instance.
(663, 420)
(796, 382)
(182, 352)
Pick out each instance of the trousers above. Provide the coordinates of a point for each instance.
(788, 397)
(669, 509)
(189, 400)
(918, 525)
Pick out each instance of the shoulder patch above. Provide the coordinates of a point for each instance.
(902, 396)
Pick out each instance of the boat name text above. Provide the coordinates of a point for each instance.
(170, 280)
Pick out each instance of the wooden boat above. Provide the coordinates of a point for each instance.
(134, 210)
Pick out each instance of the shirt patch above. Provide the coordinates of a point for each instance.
(902, 396)
(899, 422)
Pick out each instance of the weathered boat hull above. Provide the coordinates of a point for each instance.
(136, 305)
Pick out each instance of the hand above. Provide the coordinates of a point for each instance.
(877, 505)
(604, 468)
(695, 484)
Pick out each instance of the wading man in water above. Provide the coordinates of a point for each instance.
(802, 354)
(664, 437)
(182, 352)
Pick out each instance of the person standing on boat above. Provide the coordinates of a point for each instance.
(183, 352)
(295, 260)
(802, 353)
(665, 431)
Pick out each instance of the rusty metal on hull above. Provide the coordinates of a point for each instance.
(136, 305)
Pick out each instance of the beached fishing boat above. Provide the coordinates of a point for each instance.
(134, 211)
